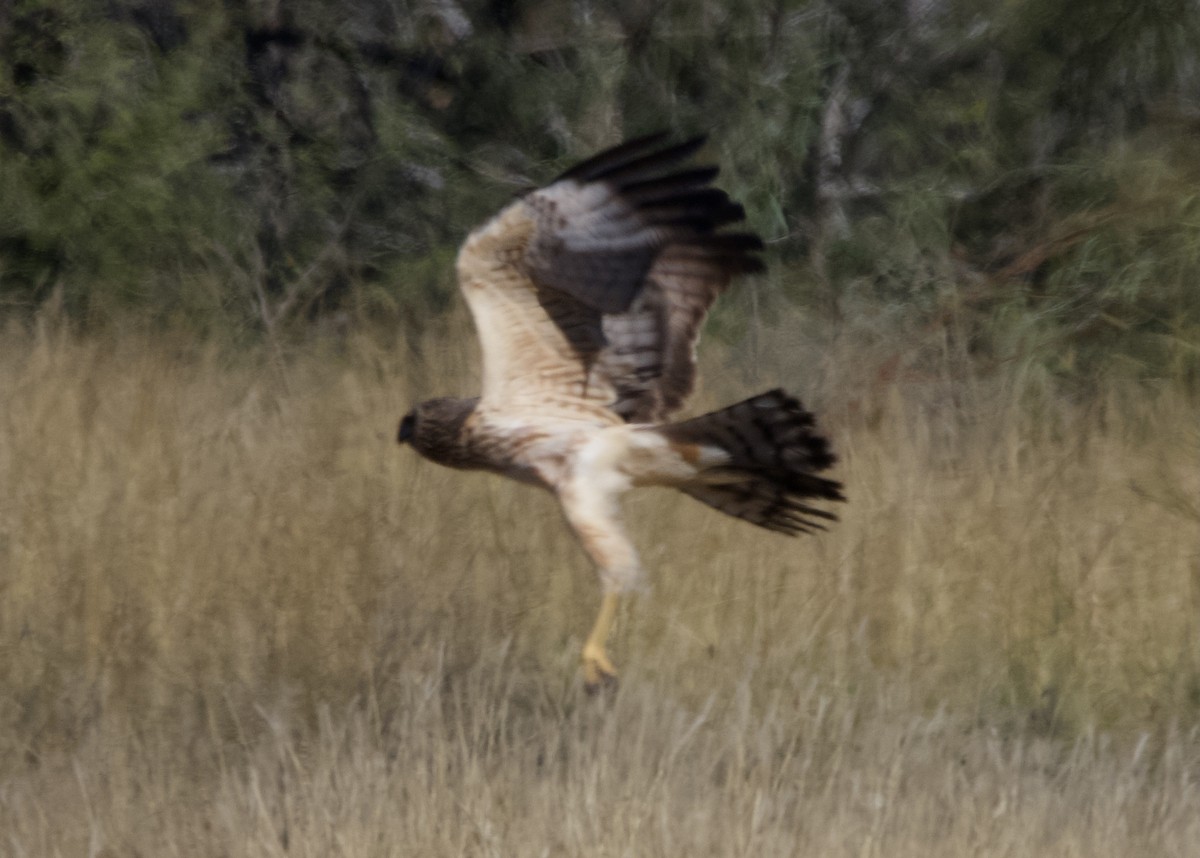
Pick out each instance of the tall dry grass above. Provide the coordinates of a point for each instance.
(236, 619)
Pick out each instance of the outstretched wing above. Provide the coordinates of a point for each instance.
(589, 294)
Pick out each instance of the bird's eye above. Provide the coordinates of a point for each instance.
(407, 426)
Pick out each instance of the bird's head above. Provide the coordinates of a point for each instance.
(434, 428)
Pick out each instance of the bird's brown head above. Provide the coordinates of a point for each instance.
(434, 428)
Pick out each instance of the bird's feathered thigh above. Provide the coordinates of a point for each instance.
(558, 453)
(588, 467)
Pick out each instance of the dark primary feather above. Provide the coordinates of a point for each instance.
(630, 155)
(601, 225)
(651, 190)
(630, 243)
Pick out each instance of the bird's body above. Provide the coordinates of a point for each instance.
(588, 296)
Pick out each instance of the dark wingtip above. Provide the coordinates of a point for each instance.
(614, 157)
(634, 160)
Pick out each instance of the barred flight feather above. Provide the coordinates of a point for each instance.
(775, 461)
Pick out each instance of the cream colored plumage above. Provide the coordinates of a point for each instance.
(588, 296)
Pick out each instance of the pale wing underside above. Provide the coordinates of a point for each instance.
(589, 294)
(539, 345)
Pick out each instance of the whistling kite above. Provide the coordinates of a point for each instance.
(589, 295)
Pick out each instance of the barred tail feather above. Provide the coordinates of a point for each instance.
(770, 475)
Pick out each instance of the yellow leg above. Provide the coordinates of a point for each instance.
(597, 669)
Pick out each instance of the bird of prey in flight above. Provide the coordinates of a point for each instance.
(588, 296)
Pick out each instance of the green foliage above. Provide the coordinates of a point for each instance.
(103, 170)
(949, 163)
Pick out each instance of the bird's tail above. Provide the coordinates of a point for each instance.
(762, 460)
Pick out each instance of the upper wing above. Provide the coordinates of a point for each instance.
(650, 356)
(590, 292)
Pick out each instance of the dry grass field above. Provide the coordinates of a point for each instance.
(237, 620)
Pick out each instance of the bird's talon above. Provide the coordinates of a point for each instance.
(602, 683)
(598, 673)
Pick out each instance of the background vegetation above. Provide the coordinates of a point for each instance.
(236, 620)
(1019, 175)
